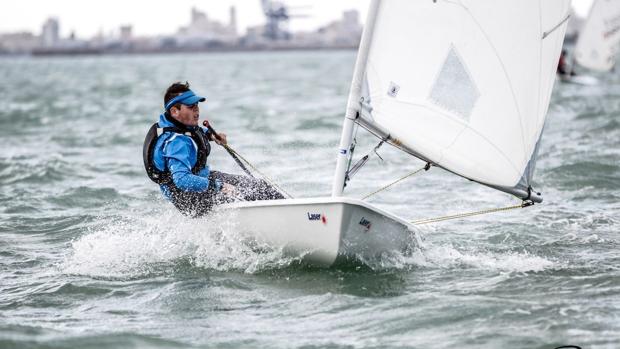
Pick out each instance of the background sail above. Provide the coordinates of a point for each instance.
(465, 84)
(598, 40)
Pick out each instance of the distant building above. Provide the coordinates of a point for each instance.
(18, 43)
(50, 33)
(344, 33)
(51, 43)
(255, 36)
(126, 33)
(202, 31)
(233, 20)
(201, 34)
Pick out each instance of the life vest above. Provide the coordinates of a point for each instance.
(148, 151)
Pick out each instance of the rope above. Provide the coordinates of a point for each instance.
(524, 204)
(257, 170)
(361, 162)
(351, 152)
(426, 168)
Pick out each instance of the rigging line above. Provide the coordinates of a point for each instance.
(351, 151)
(524, 204)
(358, 165)
(257, 170)
(361, 162)
(230, 152)
(425, 168)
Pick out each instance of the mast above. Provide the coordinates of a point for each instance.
(353, 104)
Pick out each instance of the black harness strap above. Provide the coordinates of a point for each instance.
(148, 149)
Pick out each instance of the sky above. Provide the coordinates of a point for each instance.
(90, 17)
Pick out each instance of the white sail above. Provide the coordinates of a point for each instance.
(600, 36)
(462, 84)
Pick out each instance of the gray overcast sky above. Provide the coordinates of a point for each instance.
(88, 17)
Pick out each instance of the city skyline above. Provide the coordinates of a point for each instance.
(202, 33)
(88, 19)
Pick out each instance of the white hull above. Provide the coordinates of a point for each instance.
(321, 229)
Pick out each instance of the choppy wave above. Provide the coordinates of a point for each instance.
(449, 257)
(163, 242)
(93, 257)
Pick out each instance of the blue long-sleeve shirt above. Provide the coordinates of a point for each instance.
(179, 153)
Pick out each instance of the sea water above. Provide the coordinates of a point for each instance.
(91, 256)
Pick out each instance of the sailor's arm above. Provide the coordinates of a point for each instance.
(185, 180)
(222, 140)
(211, 136)
(177, 154)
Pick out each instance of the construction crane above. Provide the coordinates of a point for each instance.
(278, 15)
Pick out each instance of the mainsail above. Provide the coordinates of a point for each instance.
(599, 39)
(464, 85)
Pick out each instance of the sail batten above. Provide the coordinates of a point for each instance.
(465, 85)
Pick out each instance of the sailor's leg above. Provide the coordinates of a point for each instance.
(250, 189)
(194, 204)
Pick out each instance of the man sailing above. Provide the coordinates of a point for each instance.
(175, 156)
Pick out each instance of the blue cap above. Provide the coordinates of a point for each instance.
(187, 98)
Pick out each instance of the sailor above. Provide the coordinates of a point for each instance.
(175, 156)
(563, 66)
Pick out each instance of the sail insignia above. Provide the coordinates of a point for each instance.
(393, 89)
(454, 89)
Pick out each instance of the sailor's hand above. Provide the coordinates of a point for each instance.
(229, 189)
(221, 140)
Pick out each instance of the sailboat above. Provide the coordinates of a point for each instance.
(598, 41)
(462, 85)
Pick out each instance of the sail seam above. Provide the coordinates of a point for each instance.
(511, 87)
(378, 96)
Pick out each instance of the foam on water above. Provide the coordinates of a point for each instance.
(447, 256)
(138, 246)
(142, 245)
